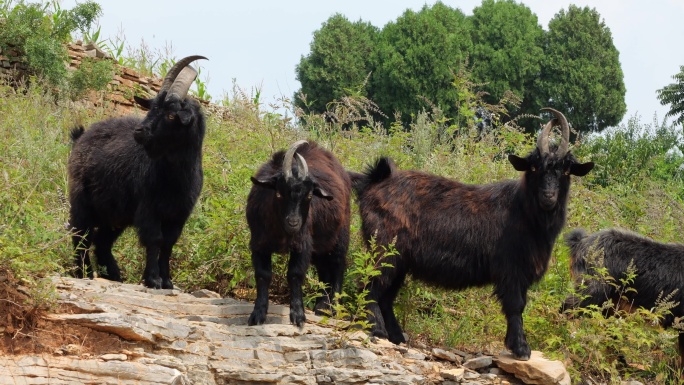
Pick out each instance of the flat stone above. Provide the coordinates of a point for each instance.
(452, 374)
(446, 355)
(537, 370)
(478, 362)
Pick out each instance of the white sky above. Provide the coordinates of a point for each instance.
(259, 42)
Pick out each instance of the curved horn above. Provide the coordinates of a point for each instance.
(302, 164)
(287, 159)
(543, 139)
(565, 132)
(182, 84)
(176, 69)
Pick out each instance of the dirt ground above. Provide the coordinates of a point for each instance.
(25, 330)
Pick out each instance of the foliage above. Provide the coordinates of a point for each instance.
(417, 56)
(350, 308)
(673, 94)
(339, 60)
(629, 153)
(90, 75)
(581, 73)
(507, 50)
(39, 31)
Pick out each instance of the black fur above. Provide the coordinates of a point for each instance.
(456, 235)
(659, 272)
(309, 219)
(145, 173)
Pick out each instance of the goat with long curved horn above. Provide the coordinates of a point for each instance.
(287, 159)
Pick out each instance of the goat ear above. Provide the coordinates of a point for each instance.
(319, 192)
(581, 169)
(266, 182)
(520, 164)
(144, 103)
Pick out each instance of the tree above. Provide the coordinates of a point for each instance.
(507, 49)
(340, 60)
(581, 73)
(417, 57)
(673, 94)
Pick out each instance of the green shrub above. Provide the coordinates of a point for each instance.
(40, 31)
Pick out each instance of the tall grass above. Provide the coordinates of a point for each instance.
(213, 250)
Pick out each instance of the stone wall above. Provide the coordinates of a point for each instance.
(119, 94)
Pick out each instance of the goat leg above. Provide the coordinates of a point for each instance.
(513, 303)
(263, 272)
(297, 267)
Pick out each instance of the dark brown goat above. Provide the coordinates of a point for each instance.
(302, 207)
(658, 268)
(145, 173)
(455, 235)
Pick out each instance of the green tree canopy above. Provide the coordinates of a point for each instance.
(581, 73)
(673, 94)
(507, 50)
(340, 60)
(416, 58)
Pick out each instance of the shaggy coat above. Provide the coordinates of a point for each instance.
(456, 235)
(306, 215)
(145, 173)
(659, 269)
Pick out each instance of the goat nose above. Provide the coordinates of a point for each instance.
(293, 222)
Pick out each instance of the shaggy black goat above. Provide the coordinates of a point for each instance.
(456, 235)
(659, 269)
(302, 207)
(145, 173)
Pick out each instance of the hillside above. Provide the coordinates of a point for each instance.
(642, 193)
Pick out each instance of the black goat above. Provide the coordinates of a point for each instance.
(658, 268)
(456, 235)
(145, 173)
(302, 207)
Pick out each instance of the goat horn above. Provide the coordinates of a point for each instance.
(182, 84)
(565, 132)
(176, 70)
(304, 166)
(287, 159)
(543, 139)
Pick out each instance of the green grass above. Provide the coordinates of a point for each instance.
(213, 250)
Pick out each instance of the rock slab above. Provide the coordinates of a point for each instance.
(537, 370)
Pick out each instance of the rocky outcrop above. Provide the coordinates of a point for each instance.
(171, 337)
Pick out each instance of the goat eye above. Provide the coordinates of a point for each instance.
(278, 195)
(309, 196)
(567, 172)
(170, 116)
(533, 169)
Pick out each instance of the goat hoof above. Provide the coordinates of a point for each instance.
(153, 283)
(256, 318)
(297, 317)
(167, 284)
(521, 353)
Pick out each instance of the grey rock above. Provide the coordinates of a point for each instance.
(478, 362)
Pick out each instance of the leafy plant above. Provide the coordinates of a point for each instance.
(39, 32)
(350, 308)
(91, 75)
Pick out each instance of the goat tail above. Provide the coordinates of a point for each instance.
(574, 239)
(375, 173)
(76, 133)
